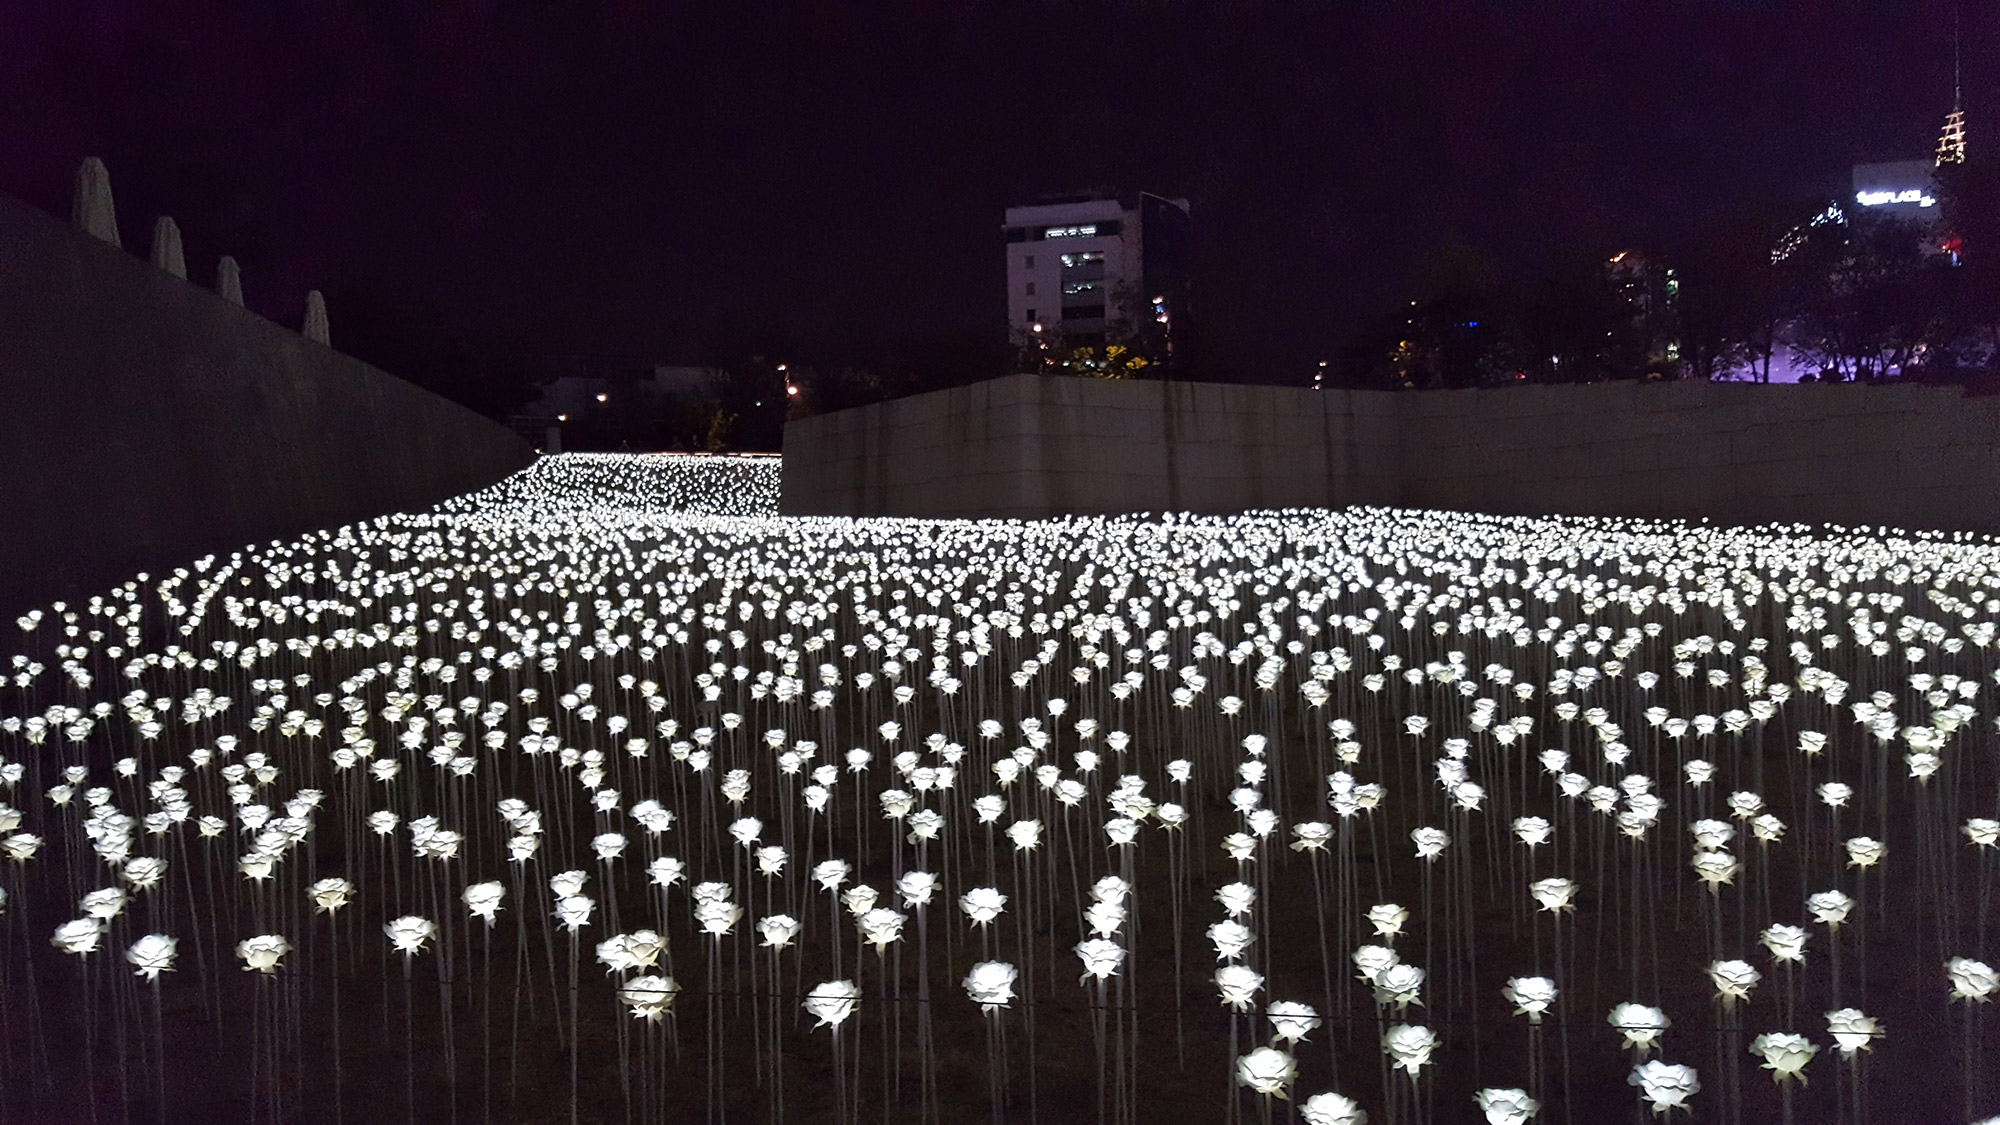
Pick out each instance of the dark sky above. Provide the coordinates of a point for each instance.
(634, 178)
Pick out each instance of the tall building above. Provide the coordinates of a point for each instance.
(1089, 267)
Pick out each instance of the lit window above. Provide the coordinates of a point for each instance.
(1085, 230)
(1084, 258)
(1070, 287)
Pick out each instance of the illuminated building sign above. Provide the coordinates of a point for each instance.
(1908, 195)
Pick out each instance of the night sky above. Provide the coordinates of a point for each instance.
(639, 179)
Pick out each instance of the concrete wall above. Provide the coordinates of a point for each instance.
(1029, 446)
(145, 422)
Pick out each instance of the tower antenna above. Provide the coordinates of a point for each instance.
(1951, 142)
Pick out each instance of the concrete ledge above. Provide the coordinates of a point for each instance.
(1035, 446)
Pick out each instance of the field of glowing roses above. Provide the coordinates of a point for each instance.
(607, 794)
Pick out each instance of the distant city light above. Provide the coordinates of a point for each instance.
(1881, 198)
(604, 398)
(1087, 230)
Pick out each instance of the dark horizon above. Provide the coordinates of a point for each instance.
(623, 183)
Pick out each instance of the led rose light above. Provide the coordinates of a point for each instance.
(1399, 985)
(1829, 908)
(262, 953)
(1430, 842)
(1554, 894)
(990, 984)
(1231, 939)
(1852, 1031)
(152, 955)
(1531, 996)
(1332, 1109)
(831, 1002)
(1291, 1021)
(1237, 899)
(1863, 851)
(1971, 980)
(1786, 943)
(1267, 1071)
(1640, 1026)
(1409, 1048)
(982, 904)
(1238, 985)
(483, 900)
(649, 996)
(1506, 1107)
(1388, 919)
(1667, 1085)
(410, 933)
(1785, 1053)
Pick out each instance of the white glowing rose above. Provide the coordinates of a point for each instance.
(1554, 894)
(649, 996)
(1641, 1026)
(1786, 943)
(1313, 835)
(1388, 919)
(1267, 1071)
(831, 873)
(982, 904)
(882, 927)
(990, 984)
(79, 937)
(1100, 956)
(330, 894)
(1332, 1109)
(1863, 851)
(1291, 1021)
(410, 933)
(1399, 985)
(1531, 996)
(1507, 1107)
(568, 883)
(262, 953)
(1829, 908)
(1370, 960)
(1240, 846)
(1785, 1053)
(104, 904)
(1835, 793)
(152, 955)
(1238, 985)
(1733, 980)
(1231, 938)
(1852, 1031)
(1409, 1048)
(625, 952)
(831, 1002)
(483, 900)
(573, 911)
(1532, 830)
(1237, 899)
(778, 930)
(1430, 842)
(1667, 1085)
(1983, 832)
(1971, 980)
(859, 899)
(1715, 868)
(1712, 835)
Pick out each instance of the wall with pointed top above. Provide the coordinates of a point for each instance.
(145, 422)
